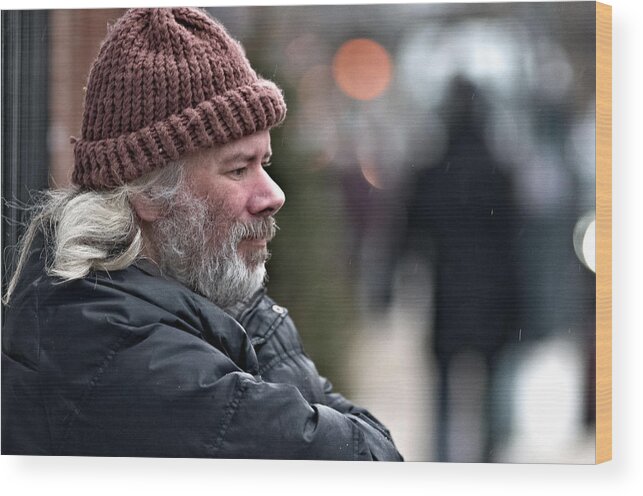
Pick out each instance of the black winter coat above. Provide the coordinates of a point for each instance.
(134, 364)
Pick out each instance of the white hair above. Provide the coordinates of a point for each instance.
(94, 230)
(197, 244)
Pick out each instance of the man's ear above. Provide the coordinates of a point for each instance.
(146, 209)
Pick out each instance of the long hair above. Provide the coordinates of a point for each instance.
(93, 230)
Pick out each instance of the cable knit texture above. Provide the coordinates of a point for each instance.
(167, 82)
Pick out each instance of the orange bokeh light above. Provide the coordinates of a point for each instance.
(362, 69)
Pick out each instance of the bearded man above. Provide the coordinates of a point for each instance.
(137, 323)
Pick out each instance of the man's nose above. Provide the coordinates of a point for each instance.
(268, 197)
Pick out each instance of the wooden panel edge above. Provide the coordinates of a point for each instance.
(603, 232)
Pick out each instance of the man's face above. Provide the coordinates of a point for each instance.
(233, 180)
(214, 239)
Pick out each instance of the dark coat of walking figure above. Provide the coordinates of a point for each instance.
(460, 218)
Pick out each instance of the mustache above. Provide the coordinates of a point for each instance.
(265, 228)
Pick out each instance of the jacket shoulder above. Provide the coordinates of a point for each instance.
(87, 352)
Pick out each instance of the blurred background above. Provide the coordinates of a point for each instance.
(437, 245)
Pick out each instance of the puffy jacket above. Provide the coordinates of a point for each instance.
(131, 363)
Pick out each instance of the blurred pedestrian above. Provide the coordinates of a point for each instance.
(461, 221)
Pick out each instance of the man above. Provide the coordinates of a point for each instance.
(136, 324)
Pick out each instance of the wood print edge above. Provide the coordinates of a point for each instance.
(603, 232)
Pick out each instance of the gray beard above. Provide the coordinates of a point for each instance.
(197, 244)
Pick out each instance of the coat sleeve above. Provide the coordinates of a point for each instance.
(167, 393)
(343, 405)
(273, 420)
(283, 361)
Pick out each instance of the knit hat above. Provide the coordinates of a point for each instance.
(166, 82)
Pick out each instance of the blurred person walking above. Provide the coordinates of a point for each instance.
(461, 222)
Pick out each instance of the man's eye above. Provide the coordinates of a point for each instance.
(238, 173)
(266, 164)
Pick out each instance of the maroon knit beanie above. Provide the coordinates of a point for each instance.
(166, 82)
